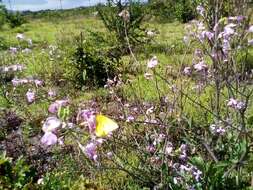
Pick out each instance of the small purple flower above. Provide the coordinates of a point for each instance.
(240, 106)
(151, 149)
(13, 50)
(51, 93)
(90, 151)
(198, 53)
(207, 34)
(228, 31)
(201, 66)
(130, 118)
(38, 82)
(232, 102)
(51, 124)
(187, 70)
(153, 62)
(53, 108)
(201, 10)
(220, 130)
(30, 96)
(49, 139)
(197, 175)
(89, 118)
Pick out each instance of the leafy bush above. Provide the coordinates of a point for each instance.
(182, 10)
(15, 19)
(124, 20)
(15, 175)
(93, 67)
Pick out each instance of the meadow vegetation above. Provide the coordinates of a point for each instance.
(127, 96)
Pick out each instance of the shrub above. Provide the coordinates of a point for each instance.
(124, 20)
(182, 10)
(15, 175)
(93, 67)
(15, 19)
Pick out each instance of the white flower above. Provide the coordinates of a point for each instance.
(148, 76)
(250, 42)
(150, 33)
(251, 29)
(40, 181)
(150, 110)
(20, 36)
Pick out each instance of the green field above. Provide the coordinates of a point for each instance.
(174, 130)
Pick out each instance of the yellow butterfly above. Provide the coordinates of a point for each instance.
(104, 125)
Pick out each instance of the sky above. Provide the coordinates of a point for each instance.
(35, 5)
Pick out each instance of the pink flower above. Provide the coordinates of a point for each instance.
(49, 139)
(30, 96)
(153, 62)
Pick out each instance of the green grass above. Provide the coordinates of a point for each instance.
(167, 46)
